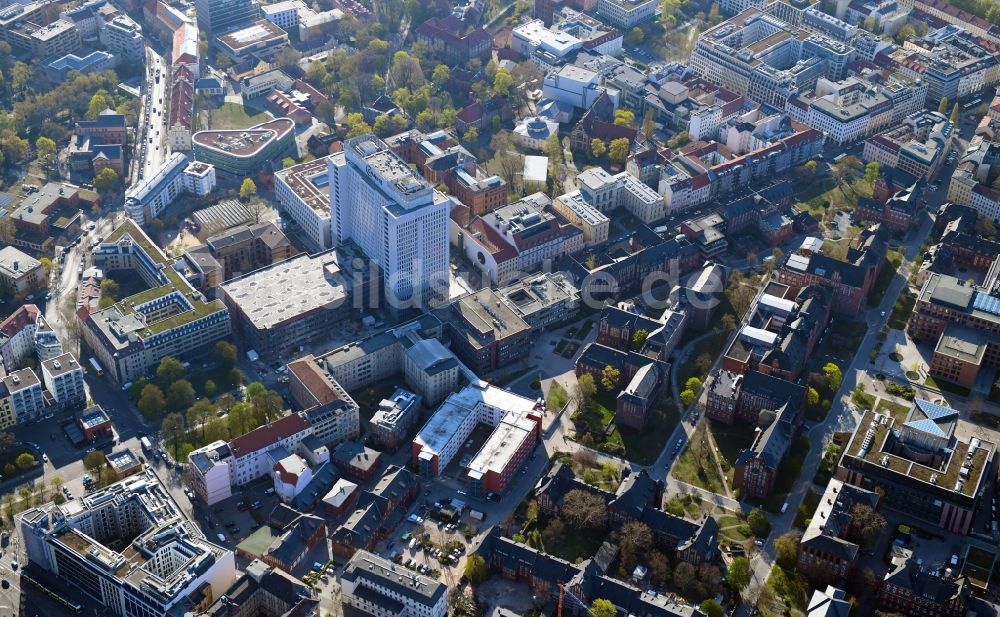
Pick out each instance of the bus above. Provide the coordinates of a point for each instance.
(840, 157)
(94, 364)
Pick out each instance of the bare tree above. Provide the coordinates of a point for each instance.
(583, 509)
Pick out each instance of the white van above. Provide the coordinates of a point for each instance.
(784, 507)
(269, 491)
(222, 538)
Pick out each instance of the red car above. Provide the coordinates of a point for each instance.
(242, 508)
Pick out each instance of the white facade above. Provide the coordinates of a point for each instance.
(533, 35)
(284, 14)
(291, 475)
(25, 395)
(63, 378)
(199, 178)
(255, 464)
(211, 472)
(986, 203)
(416, 595)
(149, 197)
(626, 14)
(574, 85)
(300, 192)
(395, 216)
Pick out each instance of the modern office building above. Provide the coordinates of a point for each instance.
(290, 303)
(216, 16)
(380, 587)
(395, 216)
(395, 418)
(128, 547)
(243, 152)
(63, 378)
(962, 319)
(169, 318)
(626, 14)
(516, 423)
(931, 465)
(149, 197)
(302, 194)
(57, 69)
(262, 39)
(918, 146)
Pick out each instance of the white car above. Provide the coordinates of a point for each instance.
(45, 458)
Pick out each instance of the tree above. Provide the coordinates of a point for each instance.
(866, 523)
(598, 148)
(583, 510)
(356, 125)
(618, 150)
(624, 117)
(586, 389)
(471, 135)
(833, 376)
(812, 396)
(609, 377)
(635, 541)
(199, 414)
(786, 549)
(693, 384)
(46, 265)
(943, 105)
(680, 140)
(713, 14)
(954, 113)
(553, 149)
(46, 147)
(225, 354)
(248, 189)
(703, 363)
(180, 395)
(602, 608)
(759, 525)
(100, 101)
(711, 608)
(172, 428)
(639, 338)
(24, 461)
(871, 172)
(635, 37)
(9, 469)
(984, 227)
(152, 402)
(441, 75)
(106, 180)
(254, 389)
(209, 388)
(659, 568)
(170, 370)
(687, 397)
(475, 569)
(739, 574)
(685, 576)
(7, 230)
(94, 462)
(648, 124)
(502, 83)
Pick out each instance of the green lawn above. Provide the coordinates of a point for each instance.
(884, 278)
(946, 386)
(557, 397)
(232, 116)
(572, 545)
(902, 310)
(863, 400)
(711, 345)
(696, 467)
(731, 440)
(788, 473)
(836, 249)
(895, 410)
(643, 447)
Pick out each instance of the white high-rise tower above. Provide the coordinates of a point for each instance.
(397, 218)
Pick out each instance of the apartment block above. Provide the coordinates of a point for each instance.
(63, 378)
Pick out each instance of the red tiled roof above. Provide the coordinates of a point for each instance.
(265, 436)
(314, 380)
(470, 113)
(23, 317)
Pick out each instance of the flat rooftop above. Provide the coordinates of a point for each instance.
(244, 143)
(442, 426)
(962, 472)
(260, 32)
(289, 290)
(484, 313)
(310, 183)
